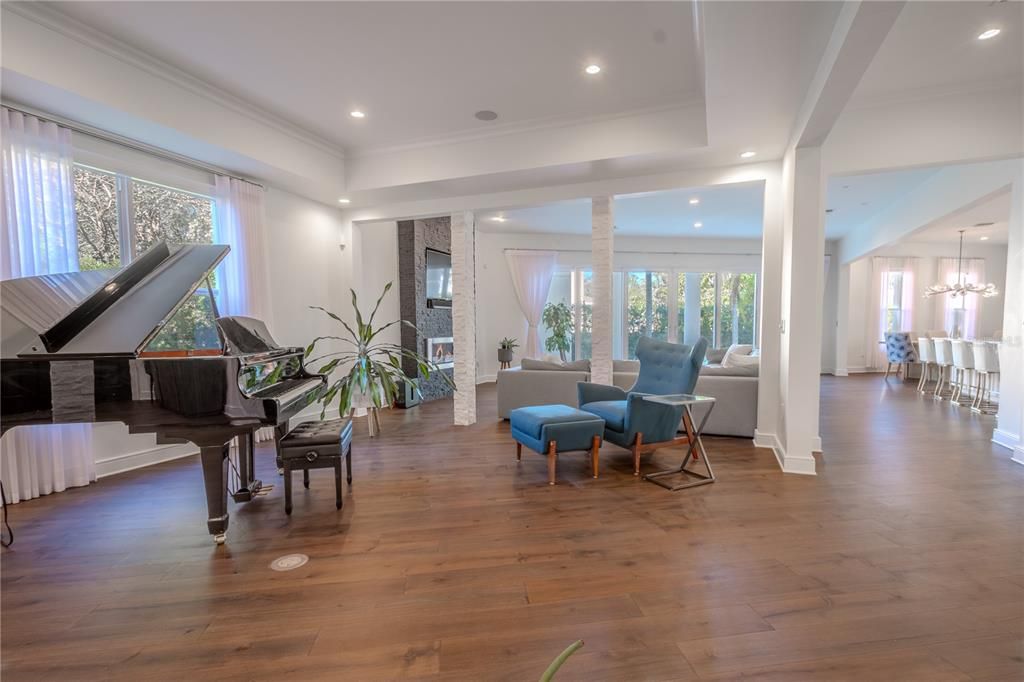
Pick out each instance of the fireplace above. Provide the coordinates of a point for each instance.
(441, 351)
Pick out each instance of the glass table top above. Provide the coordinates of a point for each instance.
(679, 399)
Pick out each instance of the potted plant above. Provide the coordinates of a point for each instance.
(506, 351)
(374, 372)
(557, 317)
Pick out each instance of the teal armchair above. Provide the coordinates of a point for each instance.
(638, 425)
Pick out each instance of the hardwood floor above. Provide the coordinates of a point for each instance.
(902, 560)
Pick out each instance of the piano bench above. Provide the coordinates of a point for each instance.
(316, 445)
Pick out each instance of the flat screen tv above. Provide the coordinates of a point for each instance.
(439, 279)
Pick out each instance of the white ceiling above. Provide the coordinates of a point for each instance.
(934, 46)
(856, 198)
(995, 209)
(726, 211)
(419, 70)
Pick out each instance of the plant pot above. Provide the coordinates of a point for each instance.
(505, 354)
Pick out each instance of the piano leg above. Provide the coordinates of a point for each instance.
(248, 486)
(215, 478)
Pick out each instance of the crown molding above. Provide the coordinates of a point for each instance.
(57, 21)
(909, 95)
(531, 125)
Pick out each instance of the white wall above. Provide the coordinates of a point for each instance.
(498, 312)
(928, 312)
(378, 243)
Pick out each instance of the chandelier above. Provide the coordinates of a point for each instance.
(961, 288)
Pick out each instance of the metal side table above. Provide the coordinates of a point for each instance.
(693, 435)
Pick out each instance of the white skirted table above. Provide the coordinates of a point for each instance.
(688, 402)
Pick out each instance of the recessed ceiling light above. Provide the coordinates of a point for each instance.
(984, 239)
(989, 33)
(344, 201)
(698, 225)
(486, 115)
(355, 113)
(694, 201)
(499, 219)
(748, 155)
(592, 69)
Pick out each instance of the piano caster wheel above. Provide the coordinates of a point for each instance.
(220, 538)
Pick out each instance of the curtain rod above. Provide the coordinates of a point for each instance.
(644, 253)
(127, 142)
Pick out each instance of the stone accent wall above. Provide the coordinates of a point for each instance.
(464, 316)
(414, 238)
(602, 245)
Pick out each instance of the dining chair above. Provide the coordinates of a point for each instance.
(963, 369)
(944, 362)
(926, 356)
(986, 364)
(899, 350)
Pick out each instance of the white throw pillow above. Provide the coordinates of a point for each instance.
(735, 350)
(737, 361)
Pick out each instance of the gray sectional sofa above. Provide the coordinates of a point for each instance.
(735, 389)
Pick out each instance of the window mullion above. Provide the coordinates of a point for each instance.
(125, 210)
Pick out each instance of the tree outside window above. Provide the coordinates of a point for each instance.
(157, 213)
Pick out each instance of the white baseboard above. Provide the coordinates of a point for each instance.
(841, 372)
(816, 445)
(486, 379)
(130, 461)
(1018, 455)
(789, 464)
(1010, 441)
(860, 370)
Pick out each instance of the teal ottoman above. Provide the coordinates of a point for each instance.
(550, 429)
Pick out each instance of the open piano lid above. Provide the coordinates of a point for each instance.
(122, 314)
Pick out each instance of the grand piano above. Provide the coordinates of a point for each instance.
(144, 345)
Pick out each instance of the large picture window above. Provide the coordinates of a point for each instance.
(119, 217)
(641, 303)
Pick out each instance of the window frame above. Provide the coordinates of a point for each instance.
(889, 307)
(124, 198)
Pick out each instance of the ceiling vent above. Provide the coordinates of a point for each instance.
(984, 224)
(486, 115)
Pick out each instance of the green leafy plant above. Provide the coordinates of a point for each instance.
(376, 366)
(560, 659)
(557, 318)
(508, 344)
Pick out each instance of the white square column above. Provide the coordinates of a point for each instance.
(464, 316)
(602, 246)
(803, 285)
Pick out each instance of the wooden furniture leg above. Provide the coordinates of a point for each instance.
(305, 479)
(552, 456)
(287, 488)
(637, 445)
(595, 448)
(337, 483)
(348, 464)
(519, 452)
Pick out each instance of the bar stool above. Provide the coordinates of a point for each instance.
(986, 364)
(963, 369)
(926, 356)
(944, 361)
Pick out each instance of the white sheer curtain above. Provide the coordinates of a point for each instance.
(893, 304)
(39, 237)
(241, 277)
(531, 278)
(960, 314)
(239, 223)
